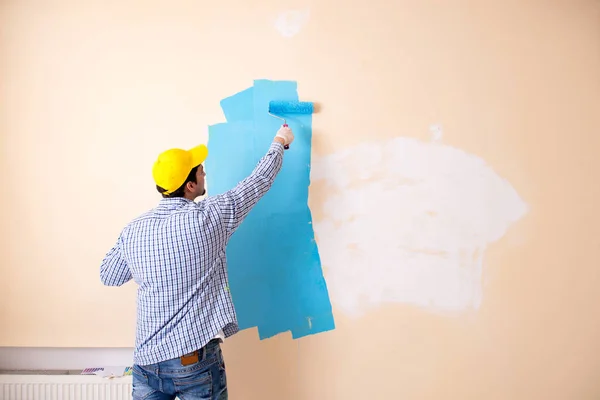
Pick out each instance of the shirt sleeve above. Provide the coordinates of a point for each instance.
(114, 270)
(235, 204)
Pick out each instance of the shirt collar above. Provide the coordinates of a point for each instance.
(174, 203)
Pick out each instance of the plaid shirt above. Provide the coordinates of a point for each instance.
(176, 254)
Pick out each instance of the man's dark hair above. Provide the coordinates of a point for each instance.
(180, 192)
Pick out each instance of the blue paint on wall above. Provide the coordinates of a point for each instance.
(275, 274)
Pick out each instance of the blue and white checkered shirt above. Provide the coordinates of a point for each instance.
(176, 254)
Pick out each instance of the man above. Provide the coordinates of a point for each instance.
(176, 254)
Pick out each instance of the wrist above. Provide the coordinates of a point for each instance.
(279, 140)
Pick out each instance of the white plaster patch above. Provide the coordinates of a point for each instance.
(289, 23)
(408, 222)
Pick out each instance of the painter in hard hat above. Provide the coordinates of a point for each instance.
(175, 253)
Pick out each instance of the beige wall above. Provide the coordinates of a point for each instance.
(93, 90)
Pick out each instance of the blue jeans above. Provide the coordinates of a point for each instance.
(168, 380)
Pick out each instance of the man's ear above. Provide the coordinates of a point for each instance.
(190, 186)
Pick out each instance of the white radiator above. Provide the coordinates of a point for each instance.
(64, 387)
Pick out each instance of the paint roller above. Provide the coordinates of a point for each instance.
(279, 108)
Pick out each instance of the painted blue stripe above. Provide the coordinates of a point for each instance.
(275, 274)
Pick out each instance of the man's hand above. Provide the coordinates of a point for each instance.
(284, 136)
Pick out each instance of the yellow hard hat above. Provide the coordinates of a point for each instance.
(173, 166)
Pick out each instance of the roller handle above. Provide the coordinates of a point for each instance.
(287, 146)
